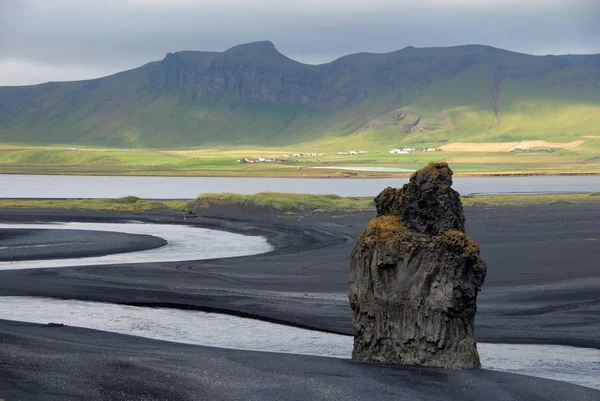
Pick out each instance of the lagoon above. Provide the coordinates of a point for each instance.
(61, 186)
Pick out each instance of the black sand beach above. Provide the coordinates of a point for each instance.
(68, 363)
(32, 244)
(542, 287)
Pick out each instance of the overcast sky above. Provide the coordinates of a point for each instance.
(52, 40)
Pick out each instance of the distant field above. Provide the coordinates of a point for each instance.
(537, 199)
(582, 158)
(509, 146)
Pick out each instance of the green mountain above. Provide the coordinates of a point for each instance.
(253, 95)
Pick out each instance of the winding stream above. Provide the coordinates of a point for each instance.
(184, 243)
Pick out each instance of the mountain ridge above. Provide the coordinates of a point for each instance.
(594, 57)
(253, 94)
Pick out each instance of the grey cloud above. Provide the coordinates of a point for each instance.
(109, 35)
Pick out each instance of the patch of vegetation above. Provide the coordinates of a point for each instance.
(536, 199)
(19, 159)
(383, 228)
(286, 202)
(126, 204)
(476, 359)
(460, 241)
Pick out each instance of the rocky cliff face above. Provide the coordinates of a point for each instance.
(258, 72)
(414, 277)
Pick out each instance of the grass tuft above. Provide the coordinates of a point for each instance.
(383, 228)
(128, 200)
(461, 241)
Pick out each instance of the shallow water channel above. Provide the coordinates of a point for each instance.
(576, 365)
(184, 243)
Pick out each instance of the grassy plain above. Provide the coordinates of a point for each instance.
(281, 202)
(126, 204)
(535, 199)
(20, 159)
(287, 202)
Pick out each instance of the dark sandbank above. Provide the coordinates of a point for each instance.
(31, 244)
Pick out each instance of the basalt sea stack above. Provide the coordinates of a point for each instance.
(414, 277)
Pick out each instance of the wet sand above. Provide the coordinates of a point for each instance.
(32, 244)
(542, 287)
(69, 363)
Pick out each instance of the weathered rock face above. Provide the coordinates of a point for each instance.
(414, 277)
(426, 204)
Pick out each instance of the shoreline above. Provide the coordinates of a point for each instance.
(104, 365)
(332, 175)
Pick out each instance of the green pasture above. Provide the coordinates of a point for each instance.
(284, 203)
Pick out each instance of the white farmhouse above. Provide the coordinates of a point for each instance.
(399, 151)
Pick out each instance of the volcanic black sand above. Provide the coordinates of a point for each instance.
(542, 287)
(31, 244)
(67, 363)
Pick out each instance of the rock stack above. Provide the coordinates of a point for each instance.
(414, 277)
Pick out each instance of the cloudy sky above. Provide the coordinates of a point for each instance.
(52, 40)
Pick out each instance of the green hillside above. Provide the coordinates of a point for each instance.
(252, 95)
